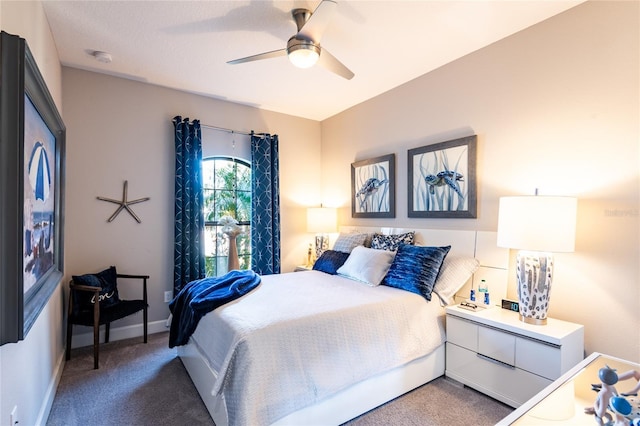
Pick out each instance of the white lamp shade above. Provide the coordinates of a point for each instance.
(303, 57)
(537, 223)
(322, 220)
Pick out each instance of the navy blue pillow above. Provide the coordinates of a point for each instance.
(415, 268)
(106, 279)
(329, 261)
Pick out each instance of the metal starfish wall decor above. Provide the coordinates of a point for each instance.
(124, 204)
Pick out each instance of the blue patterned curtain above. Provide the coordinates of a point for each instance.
(189, 216)
(265, 205)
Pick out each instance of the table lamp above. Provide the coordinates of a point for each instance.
(321, 221)
(537, 226)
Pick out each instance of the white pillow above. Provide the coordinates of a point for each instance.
(455, 272)
(367, 265)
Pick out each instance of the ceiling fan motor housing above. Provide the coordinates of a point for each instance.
(301, 16)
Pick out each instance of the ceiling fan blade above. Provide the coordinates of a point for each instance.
(260, 56)
(320, 18)
(328, 61)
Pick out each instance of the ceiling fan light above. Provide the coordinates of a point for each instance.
(303, 54)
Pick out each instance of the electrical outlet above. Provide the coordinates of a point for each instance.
(14, 416)
(167, 296)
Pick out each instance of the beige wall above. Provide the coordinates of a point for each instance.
(121, 130)
(555, 107)
(28, 369)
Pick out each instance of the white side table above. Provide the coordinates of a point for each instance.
(494, 352)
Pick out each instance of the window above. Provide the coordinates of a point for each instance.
(227, 191)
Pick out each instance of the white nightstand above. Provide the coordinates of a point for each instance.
(495, 353)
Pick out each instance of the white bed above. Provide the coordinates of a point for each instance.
(362, 370)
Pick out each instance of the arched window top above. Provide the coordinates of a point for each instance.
(226, 184)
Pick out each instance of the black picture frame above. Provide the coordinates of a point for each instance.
(32, 234)
(442, 180)
(373, 187)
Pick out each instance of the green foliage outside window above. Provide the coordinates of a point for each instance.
(227, 191)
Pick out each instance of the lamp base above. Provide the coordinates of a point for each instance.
(534, 271)
(533, 321)
(322, 244)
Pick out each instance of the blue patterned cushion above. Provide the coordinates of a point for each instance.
(391, 242)
(330, 261)
(347, 242)
(416, 268)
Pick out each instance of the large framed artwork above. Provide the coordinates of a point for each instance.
(442, 180)
(373, 187)
(32, 144)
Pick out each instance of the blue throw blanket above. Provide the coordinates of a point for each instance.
(202, 296)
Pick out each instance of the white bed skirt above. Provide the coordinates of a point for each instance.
(345, 405)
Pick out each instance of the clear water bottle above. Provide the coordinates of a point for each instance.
(483, 289)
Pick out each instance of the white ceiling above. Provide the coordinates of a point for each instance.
(185, 44)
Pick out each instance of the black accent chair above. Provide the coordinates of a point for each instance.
(85, 290)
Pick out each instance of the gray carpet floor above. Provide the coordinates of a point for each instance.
(140, 384)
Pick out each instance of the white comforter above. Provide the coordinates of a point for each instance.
(300, 337)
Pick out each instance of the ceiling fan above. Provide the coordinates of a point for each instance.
(303, 48)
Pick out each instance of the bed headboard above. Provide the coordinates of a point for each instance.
(494, 260)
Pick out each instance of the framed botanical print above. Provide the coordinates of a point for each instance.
(442, 180)
(373, 187)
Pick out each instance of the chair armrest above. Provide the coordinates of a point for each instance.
(85, 288)
(89, 289)
(144, 279)
(132, 276)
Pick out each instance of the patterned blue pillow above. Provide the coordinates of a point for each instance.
(347, 242)
(329, 261)
(416, 268)
(391, 242)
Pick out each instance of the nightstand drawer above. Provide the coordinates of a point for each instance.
(539, 358)
(462, 333)
(510, 385)
(498, 345)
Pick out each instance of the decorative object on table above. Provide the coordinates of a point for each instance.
(321, 221)
(442, 179)
(609, 399)
(310, 258)
(124, 204)
(537, 226)
(231, 229)
(31, 190)
(483, 289)
(373, 187)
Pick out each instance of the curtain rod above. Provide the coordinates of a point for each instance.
(222, 129)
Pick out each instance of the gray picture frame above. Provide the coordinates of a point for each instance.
(373, 183)
(442, 180)
(22, 86)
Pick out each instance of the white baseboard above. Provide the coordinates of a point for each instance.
(119, 333)
(47, 403)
